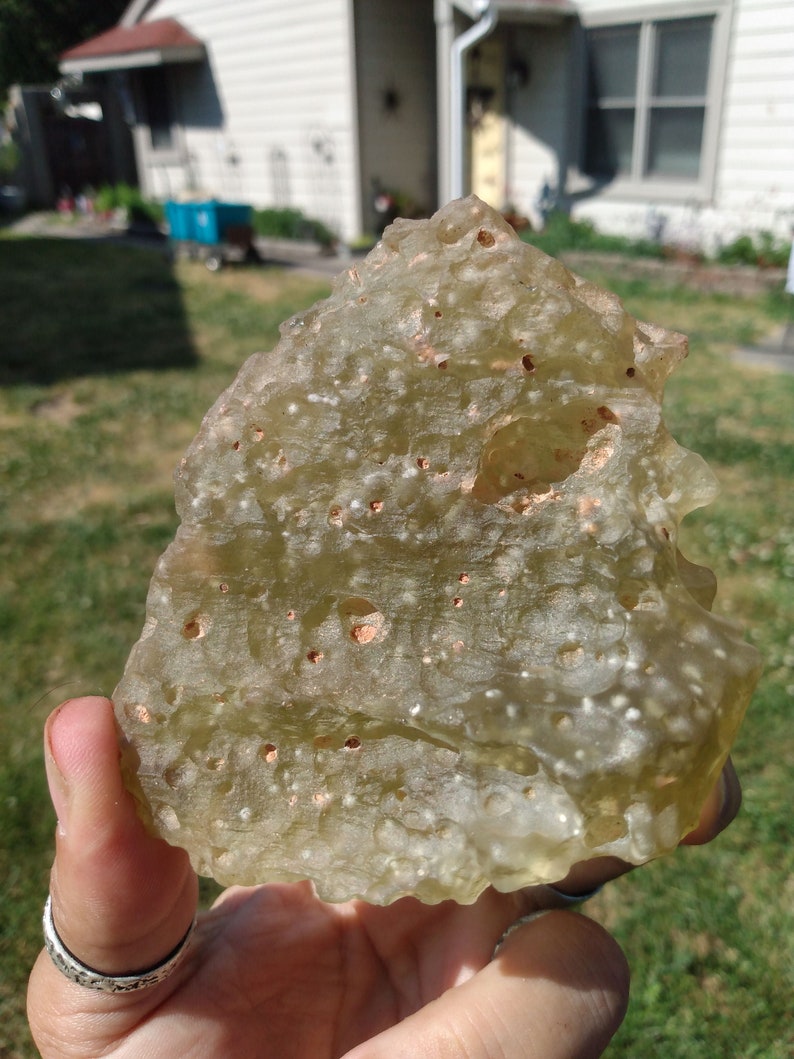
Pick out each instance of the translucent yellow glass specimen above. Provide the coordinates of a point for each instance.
(424, 627)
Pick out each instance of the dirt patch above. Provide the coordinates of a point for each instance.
(736, 280)
(61, 408)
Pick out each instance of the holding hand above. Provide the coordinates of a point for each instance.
(270, 972)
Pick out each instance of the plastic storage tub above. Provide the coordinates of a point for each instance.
(181, 217)
(204, 222)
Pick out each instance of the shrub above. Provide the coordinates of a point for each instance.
(125, 197)
(287, 223)
(10, 157)
(763, 250)
(563, 233)
(740, 252)
(772, 252)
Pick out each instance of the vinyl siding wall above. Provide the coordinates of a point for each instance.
(271, 119)
(753, 187)
(756, 173)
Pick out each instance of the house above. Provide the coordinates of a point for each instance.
(662, 118)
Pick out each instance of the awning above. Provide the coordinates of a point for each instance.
(536, 9)
(519, 10)
(129, 47)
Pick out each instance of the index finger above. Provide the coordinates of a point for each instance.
(719, 810)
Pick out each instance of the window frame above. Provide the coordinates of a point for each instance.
(158, 104)
(637, 185)
(172, 153)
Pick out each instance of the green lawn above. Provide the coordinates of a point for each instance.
(109, 357)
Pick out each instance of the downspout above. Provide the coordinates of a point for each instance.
(445, 35)
(460, 46)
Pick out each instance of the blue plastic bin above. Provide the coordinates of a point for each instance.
(204, 222)
(213, 218)
(181, 217)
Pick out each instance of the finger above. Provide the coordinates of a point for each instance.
(121, 899)
(557, 989)
(720, 808)
(590, 875)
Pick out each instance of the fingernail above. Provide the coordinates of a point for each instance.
(731, 791)
(571, 900)
(59, 788)
(520, 922)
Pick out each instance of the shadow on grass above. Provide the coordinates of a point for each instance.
(72, 308)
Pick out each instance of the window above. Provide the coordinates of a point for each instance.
(648, 101)
(157, 108)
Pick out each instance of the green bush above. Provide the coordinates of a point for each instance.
(740, 252)
(125, 197)
(772, 252)
(563, 233)
(10, 157)
(764, 251)
(287, 223)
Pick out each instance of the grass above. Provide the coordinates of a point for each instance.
(709, 932)
(109, 358)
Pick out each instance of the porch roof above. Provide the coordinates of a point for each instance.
(520, 10)
(528, 8)
(127, 47)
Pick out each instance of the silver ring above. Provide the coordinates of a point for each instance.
(80, 973)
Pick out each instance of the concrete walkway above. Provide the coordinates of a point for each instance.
(775, 352)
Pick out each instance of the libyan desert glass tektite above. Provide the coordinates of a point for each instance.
(425, 626)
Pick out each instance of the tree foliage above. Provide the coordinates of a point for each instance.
(33, 33)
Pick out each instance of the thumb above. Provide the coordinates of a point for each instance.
(121, 898)
(556, 989)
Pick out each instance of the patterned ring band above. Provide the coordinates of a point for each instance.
(76, 971)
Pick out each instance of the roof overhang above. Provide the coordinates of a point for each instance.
(520, 10)
(131, 47)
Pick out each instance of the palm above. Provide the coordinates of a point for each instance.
(278, 972)
(274, 973)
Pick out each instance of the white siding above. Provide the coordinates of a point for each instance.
(754, 181)
(272, 119)
(755, 186)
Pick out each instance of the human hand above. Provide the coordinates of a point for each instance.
(273, 973)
